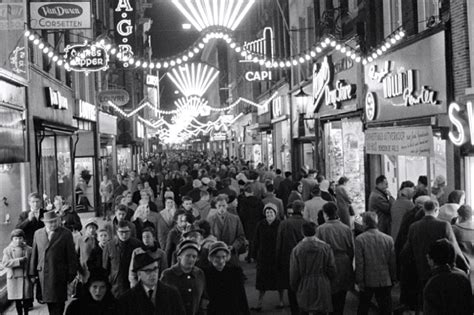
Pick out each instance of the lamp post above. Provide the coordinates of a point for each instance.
(302, 99)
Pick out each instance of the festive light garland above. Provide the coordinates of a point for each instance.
(193, 79)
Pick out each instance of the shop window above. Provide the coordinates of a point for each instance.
(344, 156)
(392, 16)
(428, 13)
(84, 183)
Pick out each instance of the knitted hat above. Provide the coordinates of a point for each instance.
(187, 244)
(270, 206)
(217, 246)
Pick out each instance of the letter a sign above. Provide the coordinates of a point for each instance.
(123, 5)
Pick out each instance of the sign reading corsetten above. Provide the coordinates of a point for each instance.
(60, 15)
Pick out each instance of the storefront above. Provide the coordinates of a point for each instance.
(86, 181)
(108, 149)
(339, 128)
(281, 130)
(406, 113)
(238, 127)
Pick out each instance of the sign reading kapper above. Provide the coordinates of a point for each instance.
(60, 15)
(86, 58)
(124, 18)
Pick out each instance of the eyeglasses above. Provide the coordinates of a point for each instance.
(123, 231)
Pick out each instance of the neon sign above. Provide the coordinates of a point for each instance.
(258, 76)
(86, 58)
(124, 17)
(460, 136)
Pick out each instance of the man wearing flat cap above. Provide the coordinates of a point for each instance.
(53, 261)
(150, 296)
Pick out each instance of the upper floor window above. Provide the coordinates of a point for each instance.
(428, 13)
(392, 16)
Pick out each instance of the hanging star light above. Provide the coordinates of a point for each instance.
(193, 79)
(203, 14)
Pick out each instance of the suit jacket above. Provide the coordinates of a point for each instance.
(29, 227)
(136, 302)
(420, 237)
(55, 263)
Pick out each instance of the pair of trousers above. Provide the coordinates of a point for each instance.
(382, 296)
(338, 302)
(56, 308)
(295, 310)
(22, 306)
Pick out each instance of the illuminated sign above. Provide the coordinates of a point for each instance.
(124, 17)
(86, 58)
(219, 136)
(86, 110)
(152, 80)
(458, 135)
(60, 15)
(55, 100)
(118, 97)
(258, 76)
(321, 78)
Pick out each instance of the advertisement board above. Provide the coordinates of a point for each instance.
(60, 15)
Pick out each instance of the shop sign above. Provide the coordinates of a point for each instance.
(60, 15)
(322, 87)
(262, 109)
(55, 99)
(258, 76)
(118, 97)
(463, 124)
(408, 141)
(12, 16)
(409, 82)
(12, 95)
(152, 80)
(86, 110)
(86, 58)
(219, 136)
(124, 18)
(107, 124)
(277, 109)
(140, 130)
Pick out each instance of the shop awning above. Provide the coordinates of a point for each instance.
(407, 141)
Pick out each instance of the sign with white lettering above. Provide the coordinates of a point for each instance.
(408, 141)
(86, 110)
(118, 97)
(55, 100)
(409, 82)
(124, 18)
(463, 123)
(60, 15)
(258, 76)
(86, 58)
(219, 136)
(152, 80)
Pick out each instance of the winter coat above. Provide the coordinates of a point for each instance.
(312, 267)
(85, 246)
(158, 254)
(464, 233)
(271, 198)
(203, 207)
(87, 305)
(380, 203)
(163, 228)
(401, 206)
(308, 184)
(339, 237)
(250, 211)
(226, 291)
(343, 202)
(265, 254)
(136, 302)
(106, 191)
(284, 191)
(229, 231)
(116, 260)
(19, 286)
(30, 227)
(71, 220)
(55, 262)
(289, 235)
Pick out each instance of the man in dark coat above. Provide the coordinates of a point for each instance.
(250, 210)
(289, 235)
(424, 233)
(53, 261)
(284, 190)
(448, 290)
(116, 258)
(30, 221)
(150, 296)
(380, 202)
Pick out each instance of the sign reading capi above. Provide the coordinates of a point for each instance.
(258, 76)
(86, 58)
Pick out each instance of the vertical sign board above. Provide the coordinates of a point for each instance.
(124, 18)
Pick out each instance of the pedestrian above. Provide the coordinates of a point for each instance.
(295, 193)
(166, 221)
(140, 220)
(224, 283)
(227, 227)
(53, 262)
(401, 206)
(188, 279)
(250, 210)
(203, 206)
(439, 189)
(146, 198)
(16, 258)
(312, 267)
(464, 232)
(270, 197)
(339, 237)
(285, 188)
(314, 205)
(309, 181)
(344, 201)
(289, 235)
(325, 194)
(374, 266)
(30, 221)
(95, 258)
(150, 295)
(278, 179)
(120, 216)
(448, 290)
(106, 191)
(68, 216)
(449, 210)
(265, 254)
(116, 258)
(380, 202)
(183, 224)
(96, 297)
(150, 247)
(207, 240)
(187, 206)
(85, 246)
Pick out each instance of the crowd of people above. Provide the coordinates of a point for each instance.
(174, 232)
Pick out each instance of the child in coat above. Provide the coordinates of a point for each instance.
(16, 257)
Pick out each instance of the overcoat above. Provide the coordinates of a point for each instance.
(55, 262)
(380, 203)
(30, 227)
(19, 286)
(250, 210)
(265, 254)
(230, 231)
(163, 228)
(343, 202)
